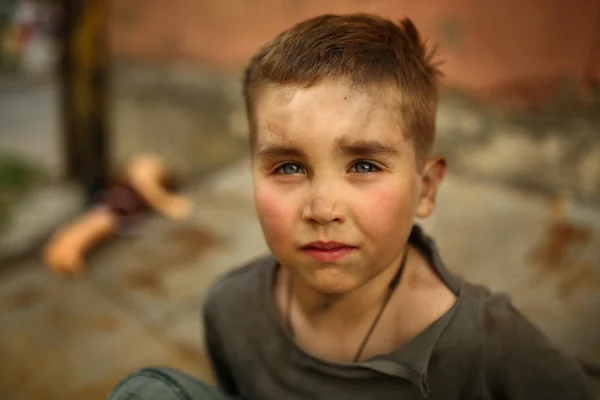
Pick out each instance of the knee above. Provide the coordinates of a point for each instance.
(163, 384)
(145, 384)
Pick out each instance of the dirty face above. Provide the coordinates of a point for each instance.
(336, 184)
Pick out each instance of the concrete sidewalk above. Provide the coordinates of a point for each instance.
(139, 303)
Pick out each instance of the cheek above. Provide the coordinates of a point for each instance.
(274, 211)
(385, 212)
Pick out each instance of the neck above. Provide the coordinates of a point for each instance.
(348, 309)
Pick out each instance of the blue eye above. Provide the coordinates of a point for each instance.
(363, 167)
(289, 169)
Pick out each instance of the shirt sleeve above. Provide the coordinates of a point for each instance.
(521, 363)
(216, 353)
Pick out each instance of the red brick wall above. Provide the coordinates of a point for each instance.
(500, 48)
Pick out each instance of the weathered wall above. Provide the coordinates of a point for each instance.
(193, 117)
(504, 49)
(554, 150)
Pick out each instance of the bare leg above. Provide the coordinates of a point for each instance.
(121, 205)
(66, 251)
(146, 173)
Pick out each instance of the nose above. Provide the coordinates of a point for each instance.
(323, 210)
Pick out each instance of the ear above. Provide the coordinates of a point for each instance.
(431, 179)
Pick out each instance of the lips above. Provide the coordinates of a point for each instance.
(327, 251)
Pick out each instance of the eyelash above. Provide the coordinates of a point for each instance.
(373, 166)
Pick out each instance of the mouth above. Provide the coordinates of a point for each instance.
(327, 251)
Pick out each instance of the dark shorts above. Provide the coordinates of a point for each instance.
(164, 384)
(126, 204)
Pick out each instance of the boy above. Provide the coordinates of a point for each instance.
(355, 302)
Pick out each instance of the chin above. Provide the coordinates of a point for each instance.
(331, 291)
(332, 282)
(327, 279)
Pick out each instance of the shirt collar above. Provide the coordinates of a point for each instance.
(411, 361)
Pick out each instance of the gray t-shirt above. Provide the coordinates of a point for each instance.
(482, 348)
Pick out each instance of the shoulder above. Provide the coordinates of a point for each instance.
(237, 288)
(519, 360)
(508, 332)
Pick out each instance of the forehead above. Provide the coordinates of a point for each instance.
(322, 114)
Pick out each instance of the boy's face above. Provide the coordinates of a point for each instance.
(336, 184)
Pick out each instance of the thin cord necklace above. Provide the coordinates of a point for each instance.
(390, 291)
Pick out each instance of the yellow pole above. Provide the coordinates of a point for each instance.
(84, 90)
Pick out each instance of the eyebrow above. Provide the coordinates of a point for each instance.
(364, 148)
(344, 147)
(280, 151)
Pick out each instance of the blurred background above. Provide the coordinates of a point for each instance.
(86, 85)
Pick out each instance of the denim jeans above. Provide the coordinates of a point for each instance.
(164, 384)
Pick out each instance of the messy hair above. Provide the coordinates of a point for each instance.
(365, 50)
